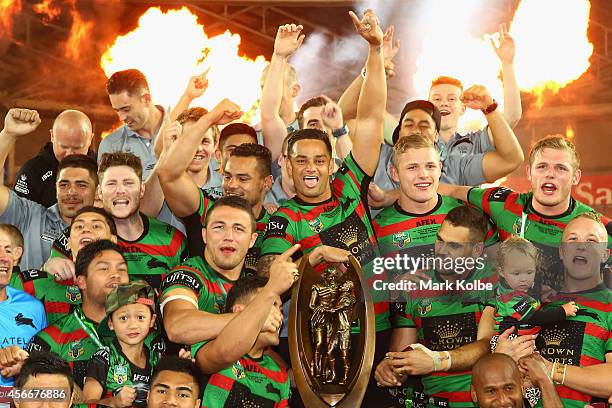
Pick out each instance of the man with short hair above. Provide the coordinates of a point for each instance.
(129, 95)
(541, 214)
(100, 267)
(55, 284)
(578, 350)
(232, 136)
(283, 187)
(71, 134)
(497, 382)
(76, 186)
(240, 362)
(45, 371)
(21, 315)
(193, 294)
(175, 382)
(432, 322)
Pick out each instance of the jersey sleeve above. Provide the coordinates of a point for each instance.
(489, 200)
(21, 211)
(185, 276)
(205, 203)
(402, 315)
(38, 343)
(98, 367)
(280, 234)
(350, 180)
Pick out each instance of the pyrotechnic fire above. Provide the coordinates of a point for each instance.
(79, 31)
(569, 132)
(49, 9)
(552, 48)
(8, 8)
(170, 47)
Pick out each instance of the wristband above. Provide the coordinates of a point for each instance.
(490, 108)
(340, 131)
(441, 359)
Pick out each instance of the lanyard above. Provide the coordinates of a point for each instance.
(91, 332)
(523, 224)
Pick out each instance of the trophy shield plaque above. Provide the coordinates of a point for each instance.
(331, 367)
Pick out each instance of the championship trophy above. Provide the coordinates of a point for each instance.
(331, 367)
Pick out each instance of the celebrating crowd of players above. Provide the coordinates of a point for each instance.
(158, 274)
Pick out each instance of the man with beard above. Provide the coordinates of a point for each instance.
(55, 284)
(540, 215)
(438, 318)
(193, 294)
(76, 186)
(579, 349)
(100, 267)
(71, 134)
(151, 247)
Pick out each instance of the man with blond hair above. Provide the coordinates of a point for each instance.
(541, 214)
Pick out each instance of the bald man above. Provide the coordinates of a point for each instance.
(71, 134)
(497, 382)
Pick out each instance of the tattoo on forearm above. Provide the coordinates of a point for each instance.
(263, 265)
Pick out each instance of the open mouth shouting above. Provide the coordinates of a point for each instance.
(85, 241)
(444, 112)
(121, 203)
(580, 260)
(549, 188)
(310, 181)
(227, 250)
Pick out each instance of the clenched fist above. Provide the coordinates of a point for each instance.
(19, 122)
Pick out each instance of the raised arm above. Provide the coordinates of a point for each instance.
(508, 155)
(181, 192)
(368, 135)
(18, 122)
(274, 129)
(196, 87)
(512, 95)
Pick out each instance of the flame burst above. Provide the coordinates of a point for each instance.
(171, 47)
(8, 8)
(49, 9)
(79, 31)
(552, 48)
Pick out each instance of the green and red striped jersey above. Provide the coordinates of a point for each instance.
(159, 248)
(583, 340)
(57, 297)
(446, 318)
(343, 221)
(249, 382)
(253, 254)
(513, 308)
(506, 208)
(210, 287)
(76, 338)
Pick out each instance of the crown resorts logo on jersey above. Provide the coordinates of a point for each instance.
(238, 370)
(401, 239)
(424, 306)
(554, 337)
(73, 293)
(120, 374)
(76, 349)
(316, 225)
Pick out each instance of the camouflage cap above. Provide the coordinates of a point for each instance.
(130, 293)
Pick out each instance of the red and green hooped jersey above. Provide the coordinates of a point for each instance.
(57, 297)
(513, 308)
(160, 248)
(113, 370)
(583, 340)
(210, 287)
(249, 382)
(446, 319)
(506, 208)
(253, 254)
(75, 338)
(343, 221)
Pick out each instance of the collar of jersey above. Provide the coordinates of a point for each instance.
(399, 209)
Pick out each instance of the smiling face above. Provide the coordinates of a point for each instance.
(446, 98)
(228, 236)
(454, 242)
(417, 121)
(173, 389)
(86, 228)
(205, 151)
(552, 176)
(242, 178)
(121, 191)
(418, 173)
(75, 190)
(105, 272)
(133, 110)
(499, 386)
(132, 323)
(310, 166)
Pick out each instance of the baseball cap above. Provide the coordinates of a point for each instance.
(423, 105)
(127, 294)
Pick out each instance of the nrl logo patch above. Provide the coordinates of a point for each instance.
(238, 370)
(73, 294)
(401, 239)
(120, 374)
(76, 350)
(316, 225)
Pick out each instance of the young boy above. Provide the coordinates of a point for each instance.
(255, 379)
(118, 375)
